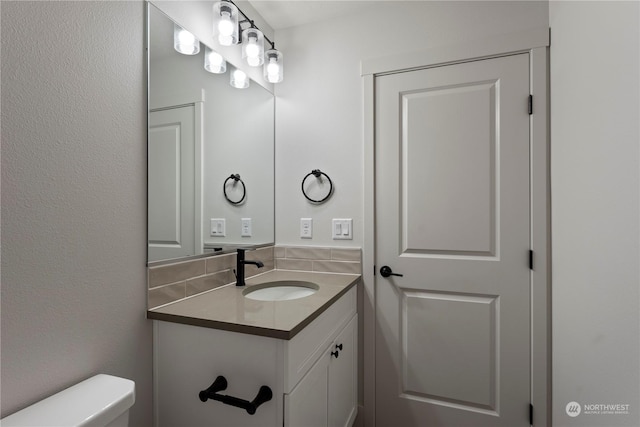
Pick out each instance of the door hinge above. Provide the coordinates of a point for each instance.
(530, 414)
(530, 104)
(530, 260)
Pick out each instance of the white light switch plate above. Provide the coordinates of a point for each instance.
(218, 227)
(245, 227)
(342, 229)
(306, 228)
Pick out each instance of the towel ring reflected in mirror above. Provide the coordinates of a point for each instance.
(234, 178)
(318, 174)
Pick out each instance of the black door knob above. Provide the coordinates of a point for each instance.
(386, 271)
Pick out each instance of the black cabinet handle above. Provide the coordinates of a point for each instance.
(339, 346)
(264, 395)
(335, 353)
(386, 271)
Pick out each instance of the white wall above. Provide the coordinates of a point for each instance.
(595, 98)
(73, 199)
(319, 105)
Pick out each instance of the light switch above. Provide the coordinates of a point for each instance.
(306, 228)
(337, 228)
(218, 227)
(342, 229)
(245, 224)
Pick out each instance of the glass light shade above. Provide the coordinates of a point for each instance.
(214, 62)
(239, 79)
(273, 66)
(225, 23)
(253, 47)
(185, 42)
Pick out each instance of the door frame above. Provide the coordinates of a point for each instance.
(535, 42)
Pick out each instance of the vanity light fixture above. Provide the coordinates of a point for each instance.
(227, 26)
(253, 46)
(185, 42)
(239, 79)
(225, 22)
(214, 62)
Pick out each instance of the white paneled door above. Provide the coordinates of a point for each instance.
(171, 183)
(452, 216)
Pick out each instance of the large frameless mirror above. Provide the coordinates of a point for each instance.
(210, 152)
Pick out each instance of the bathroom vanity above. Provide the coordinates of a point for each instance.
(304, 350)
(222, 347)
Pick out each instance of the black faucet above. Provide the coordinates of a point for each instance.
(241, 262)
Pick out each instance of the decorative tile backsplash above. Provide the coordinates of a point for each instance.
(172, 282)
(325, 260)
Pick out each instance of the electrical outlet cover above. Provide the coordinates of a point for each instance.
(245, 227)
(306, 228)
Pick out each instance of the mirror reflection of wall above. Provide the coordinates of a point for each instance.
(202, 130)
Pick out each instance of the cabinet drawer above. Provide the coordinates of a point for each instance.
(187, 359)
(301, 352)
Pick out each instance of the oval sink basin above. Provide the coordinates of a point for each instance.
(283, 290)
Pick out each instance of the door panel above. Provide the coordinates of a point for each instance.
(449, 197)
(452, 215)
(469, 322)
(164, 194)
(171, 183)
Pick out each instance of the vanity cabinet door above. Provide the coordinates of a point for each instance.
(343, 377)
(327, 396)
(306, 405)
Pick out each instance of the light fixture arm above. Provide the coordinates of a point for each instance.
(251, 22)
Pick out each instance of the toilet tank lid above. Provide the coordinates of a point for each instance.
(94, 402)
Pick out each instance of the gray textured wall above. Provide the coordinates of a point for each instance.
(595, 187)
(73, 199)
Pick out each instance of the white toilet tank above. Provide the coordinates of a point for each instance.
(100, 401)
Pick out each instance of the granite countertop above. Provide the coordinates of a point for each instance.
(226, 307)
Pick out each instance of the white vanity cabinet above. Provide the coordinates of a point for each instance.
(310, 385)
